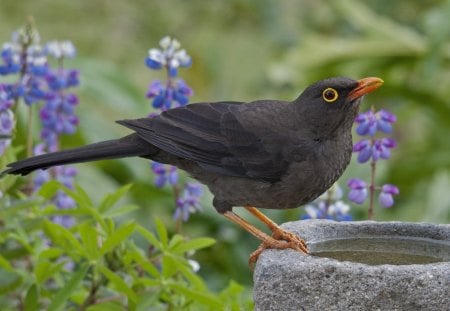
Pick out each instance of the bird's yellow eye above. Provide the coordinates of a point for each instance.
(330, 95)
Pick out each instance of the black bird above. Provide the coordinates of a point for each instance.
(266, 154)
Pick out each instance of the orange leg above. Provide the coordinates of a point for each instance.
(281, 239)
(277, 231)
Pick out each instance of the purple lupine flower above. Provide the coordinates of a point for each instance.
(170, 56)
(166, 95)
(358, 190)
(182, 92)
(375, 149)
(370, 122)
(164, 174)
(328, 206)
(367, 123)
(339, 211)
(36, 60)
(57, 111)
(385, 120)
(6, 119)
(380, 148)
(364, 149)
(386, 198)
(65, 175)
(60, 49)
(24, 55)
(11, 58)
(62, 79)
(58, 117)
(31, 88)
(188, 202)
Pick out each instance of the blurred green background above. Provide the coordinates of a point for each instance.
(254, 49)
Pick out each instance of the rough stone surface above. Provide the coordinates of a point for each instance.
(289, 280)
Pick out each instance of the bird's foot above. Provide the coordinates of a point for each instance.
(281, 239)
(281, 234)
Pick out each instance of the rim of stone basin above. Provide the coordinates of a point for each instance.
(398, 243)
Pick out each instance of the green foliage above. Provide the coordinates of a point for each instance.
(97, 264)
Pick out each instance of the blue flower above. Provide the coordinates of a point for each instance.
(62, 79)
(31, 88)
(11, 59)
(364, 149)
(358, 190)
(328, 206)
(189, 201)
(367, 123)
(163, 97)
(6, 119)
(182, 92)
(164, 174)
(370, 122)
(58, 117)
(60, 49)
(386, 198)
(375, 149)
(170, 56)
(385, 120)
(381, 148)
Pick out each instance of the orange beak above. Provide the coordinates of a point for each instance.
(365, 86)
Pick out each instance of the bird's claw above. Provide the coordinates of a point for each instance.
(281, 240)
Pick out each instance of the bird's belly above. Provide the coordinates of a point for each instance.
(303, 182)
(288, 193)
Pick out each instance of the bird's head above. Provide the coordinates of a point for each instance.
(331, 105)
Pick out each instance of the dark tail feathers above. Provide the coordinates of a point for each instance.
(127, 146)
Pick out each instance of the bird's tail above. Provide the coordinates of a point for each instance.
(127, 146)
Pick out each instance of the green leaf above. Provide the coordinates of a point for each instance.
(51, 253)
(11, 209)
(193, 245)
(149, 302)
(150, 237)
(5, 264)
(107, 306)
(62, 237)
(162, 232)
(61, 297)
(124, 209)
(144, 262)
(231, 296)
(49, 189)
(199, 296)
(79, 195)
(176, 240)
(118, 283)
(31, 302)
(89, 237)
(117, 237)
(169, 266)
(183, 266)
(9, 280)
(45, 269)
(110, 199)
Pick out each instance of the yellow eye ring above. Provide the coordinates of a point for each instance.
(330, 95)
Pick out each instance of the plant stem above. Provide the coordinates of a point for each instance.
(90, 299)
(370, 213)
(30, 131)
(179, 220)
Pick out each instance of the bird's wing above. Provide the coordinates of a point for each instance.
(212, 136)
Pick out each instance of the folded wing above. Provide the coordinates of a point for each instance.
(214, 136)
